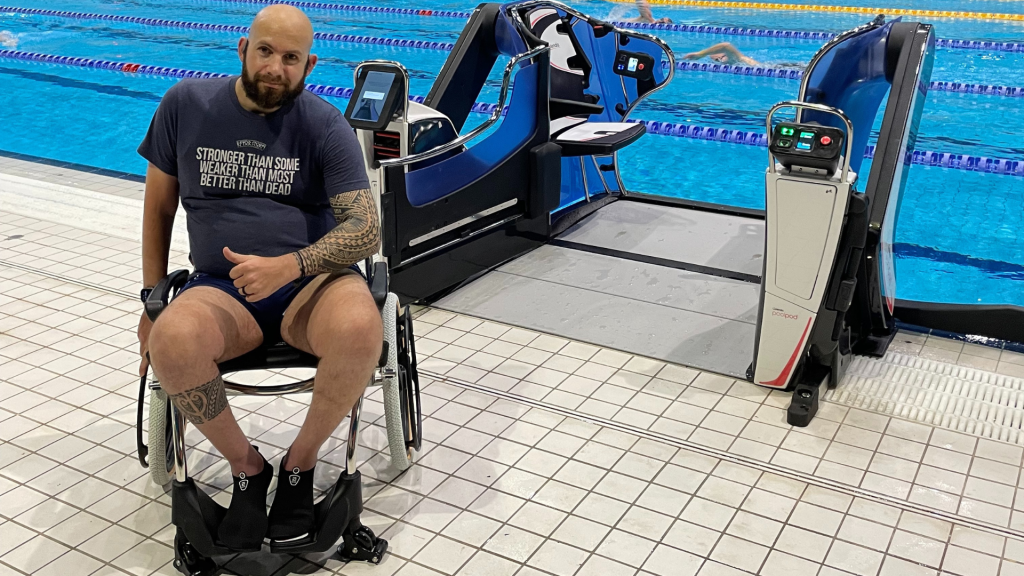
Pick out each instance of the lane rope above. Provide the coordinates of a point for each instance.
(948, 43)
(768, 72)
(838, 9)
(1003, 166)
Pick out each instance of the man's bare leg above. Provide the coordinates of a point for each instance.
(335, 319)
(201, 327)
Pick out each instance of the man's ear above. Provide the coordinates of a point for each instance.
(243, 47)
(310, 63)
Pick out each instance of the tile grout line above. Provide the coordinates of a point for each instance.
(67, 279)
(820, 483)
(737, 459)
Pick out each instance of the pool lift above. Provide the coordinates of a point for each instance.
(536, 211)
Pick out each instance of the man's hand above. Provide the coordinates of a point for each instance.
(145, 325)
(257, 277)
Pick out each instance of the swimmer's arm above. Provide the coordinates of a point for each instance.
(721, 47)
(356, 237)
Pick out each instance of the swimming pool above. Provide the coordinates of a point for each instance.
(960, 234)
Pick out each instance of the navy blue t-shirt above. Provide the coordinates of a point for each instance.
(256, 184)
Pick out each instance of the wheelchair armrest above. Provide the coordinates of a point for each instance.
(378, 282)
(161, 293)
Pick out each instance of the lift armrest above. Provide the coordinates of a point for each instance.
(161, 293)
(560, 108)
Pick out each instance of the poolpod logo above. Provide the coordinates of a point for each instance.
(779, 312)
(251, 144)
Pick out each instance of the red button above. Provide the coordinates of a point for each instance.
(641, 66)
(825, 140)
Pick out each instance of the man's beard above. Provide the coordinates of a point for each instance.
(267, 98)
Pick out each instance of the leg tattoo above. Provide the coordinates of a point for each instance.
(203, 403)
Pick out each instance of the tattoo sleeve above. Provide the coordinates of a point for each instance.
(203, 403)
(356, 237)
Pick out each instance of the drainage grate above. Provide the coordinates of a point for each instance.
(936, 393)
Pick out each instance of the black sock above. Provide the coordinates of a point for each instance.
(291, 514)
(245, 524)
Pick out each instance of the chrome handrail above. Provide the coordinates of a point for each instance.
(517, 17)
(820, 108)
(505, 81)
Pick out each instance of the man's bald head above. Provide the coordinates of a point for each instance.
(276, 57)
(284, 23)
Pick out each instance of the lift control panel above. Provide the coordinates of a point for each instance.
(808, 146)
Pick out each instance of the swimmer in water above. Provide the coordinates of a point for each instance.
(724, 53)
(646, 16)
(7, 40)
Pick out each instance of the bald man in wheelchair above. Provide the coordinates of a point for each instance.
(278, 210)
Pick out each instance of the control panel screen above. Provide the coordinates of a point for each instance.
(634, 64)
(378, 94)
(807, 145)
(370, 101)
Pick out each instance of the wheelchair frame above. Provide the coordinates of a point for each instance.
(197, 516)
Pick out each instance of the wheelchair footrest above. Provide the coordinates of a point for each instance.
(197, 517)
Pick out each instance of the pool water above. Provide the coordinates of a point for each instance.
(960, 236)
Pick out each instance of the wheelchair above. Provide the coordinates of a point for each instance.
(196, 515)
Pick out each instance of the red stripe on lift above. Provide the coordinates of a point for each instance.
(781, 380)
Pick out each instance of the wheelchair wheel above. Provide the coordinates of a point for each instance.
(409, 383)
(394, 413)
(161, 451)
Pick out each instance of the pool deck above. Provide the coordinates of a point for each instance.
(542, 455)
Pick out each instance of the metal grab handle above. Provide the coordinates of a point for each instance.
(820, 108)
(505, 81)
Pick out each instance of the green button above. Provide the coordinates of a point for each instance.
(807, 134)
(787, 131)
(784, 143)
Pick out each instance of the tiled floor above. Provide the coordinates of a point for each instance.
(542, 455)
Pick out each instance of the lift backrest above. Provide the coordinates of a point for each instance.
(853, 73)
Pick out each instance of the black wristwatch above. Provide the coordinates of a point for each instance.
(144, 295)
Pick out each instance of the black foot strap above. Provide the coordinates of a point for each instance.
(245, 524)
(291, 514)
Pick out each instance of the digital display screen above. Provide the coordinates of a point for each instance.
(371, 98)
(803, 145)
(632, 64)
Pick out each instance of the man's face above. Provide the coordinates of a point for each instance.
(273, 75)
(720, 58)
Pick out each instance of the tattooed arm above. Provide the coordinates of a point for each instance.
(356, 237)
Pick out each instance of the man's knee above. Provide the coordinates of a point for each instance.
(181, 340)
(355, 330)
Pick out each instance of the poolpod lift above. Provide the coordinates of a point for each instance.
(525, 219)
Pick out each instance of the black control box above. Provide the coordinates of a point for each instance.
(808, 146)
(634, 64)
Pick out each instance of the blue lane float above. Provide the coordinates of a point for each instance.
(948, 43)
(758, 71)
(1003, 166)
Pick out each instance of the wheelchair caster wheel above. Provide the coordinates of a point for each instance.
(361, 544)
(188, 560)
